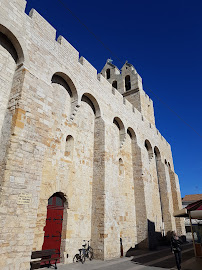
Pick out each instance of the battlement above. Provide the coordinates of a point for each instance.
(17, 5)
(41, 25)
(135, 100)
(67, 49)
(47, 37)
(88, 67)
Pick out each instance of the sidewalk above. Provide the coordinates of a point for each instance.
(116, 264)
(192, 264)
(142, 260)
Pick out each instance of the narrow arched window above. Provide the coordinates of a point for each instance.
(127, 83)
(149, 149)
(114, 84)
(108, 73)
(69, 146)
(121, 167)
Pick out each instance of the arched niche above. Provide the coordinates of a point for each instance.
(132, 134)
(117, 121)
(59, 80)
(65, 81)
(149, 149)
(8, 46)
(92, 102)
(157, 153)
(19, 54)
(121, 167)
(69, 147)
(11, 56)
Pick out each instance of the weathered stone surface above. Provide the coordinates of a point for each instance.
(64, 129)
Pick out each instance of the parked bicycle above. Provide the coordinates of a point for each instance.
(85, 252)
(88, 250)
(79, 257)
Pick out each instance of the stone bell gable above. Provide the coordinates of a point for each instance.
(129, 83)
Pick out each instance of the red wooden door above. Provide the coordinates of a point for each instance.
(53, 227)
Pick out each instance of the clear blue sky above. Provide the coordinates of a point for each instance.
(163, 40)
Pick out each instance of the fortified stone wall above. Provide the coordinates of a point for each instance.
(65, 130)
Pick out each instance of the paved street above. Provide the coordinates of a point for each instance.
(142, 260)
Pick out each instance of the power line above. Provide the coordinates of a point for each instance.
(89, 30)
(122, 62)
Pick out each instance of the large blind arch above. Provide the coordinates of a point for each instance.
(11, 35)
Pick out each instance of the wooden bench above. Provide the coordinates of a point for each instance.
(44, 257)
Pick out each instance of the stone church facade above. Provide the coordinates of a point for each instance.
(83, 139)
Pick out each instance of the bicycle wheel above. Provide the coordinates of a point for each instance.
(83, 258)
(76, 257)
(90, 255)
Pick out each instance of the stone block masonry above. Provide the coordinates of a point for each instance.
(70, 134)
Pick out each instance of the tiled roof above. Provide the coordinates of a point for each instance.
(192, 197)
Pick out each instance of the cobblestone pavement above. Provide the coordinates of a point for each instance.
(141, 260)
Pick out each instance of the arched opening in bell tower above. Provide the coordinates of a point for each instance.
(108, 73)
(127, 83)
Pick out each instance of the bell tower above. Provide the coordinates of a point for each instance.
(129, 83)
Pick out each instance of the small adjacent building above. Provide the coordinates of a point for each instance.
(193, 213)
(189, 199)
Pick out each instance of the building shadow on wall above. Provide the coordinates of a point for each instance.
(152, 242)
(155, 250)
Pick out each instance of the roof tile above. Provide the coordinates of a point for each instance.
(192, 197)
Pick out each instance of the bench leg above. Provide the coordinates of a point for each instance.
(56, 265)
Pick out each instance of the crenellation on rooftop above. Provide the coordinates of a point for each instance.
(18, 5)
(119, 97)
(22, 4)
(67, 51)
(68, 48)
(100, 78)
(44, 27)
(88, 67)
(128, 105)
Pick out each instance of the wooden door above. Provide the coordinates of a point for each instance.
(53, 227)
